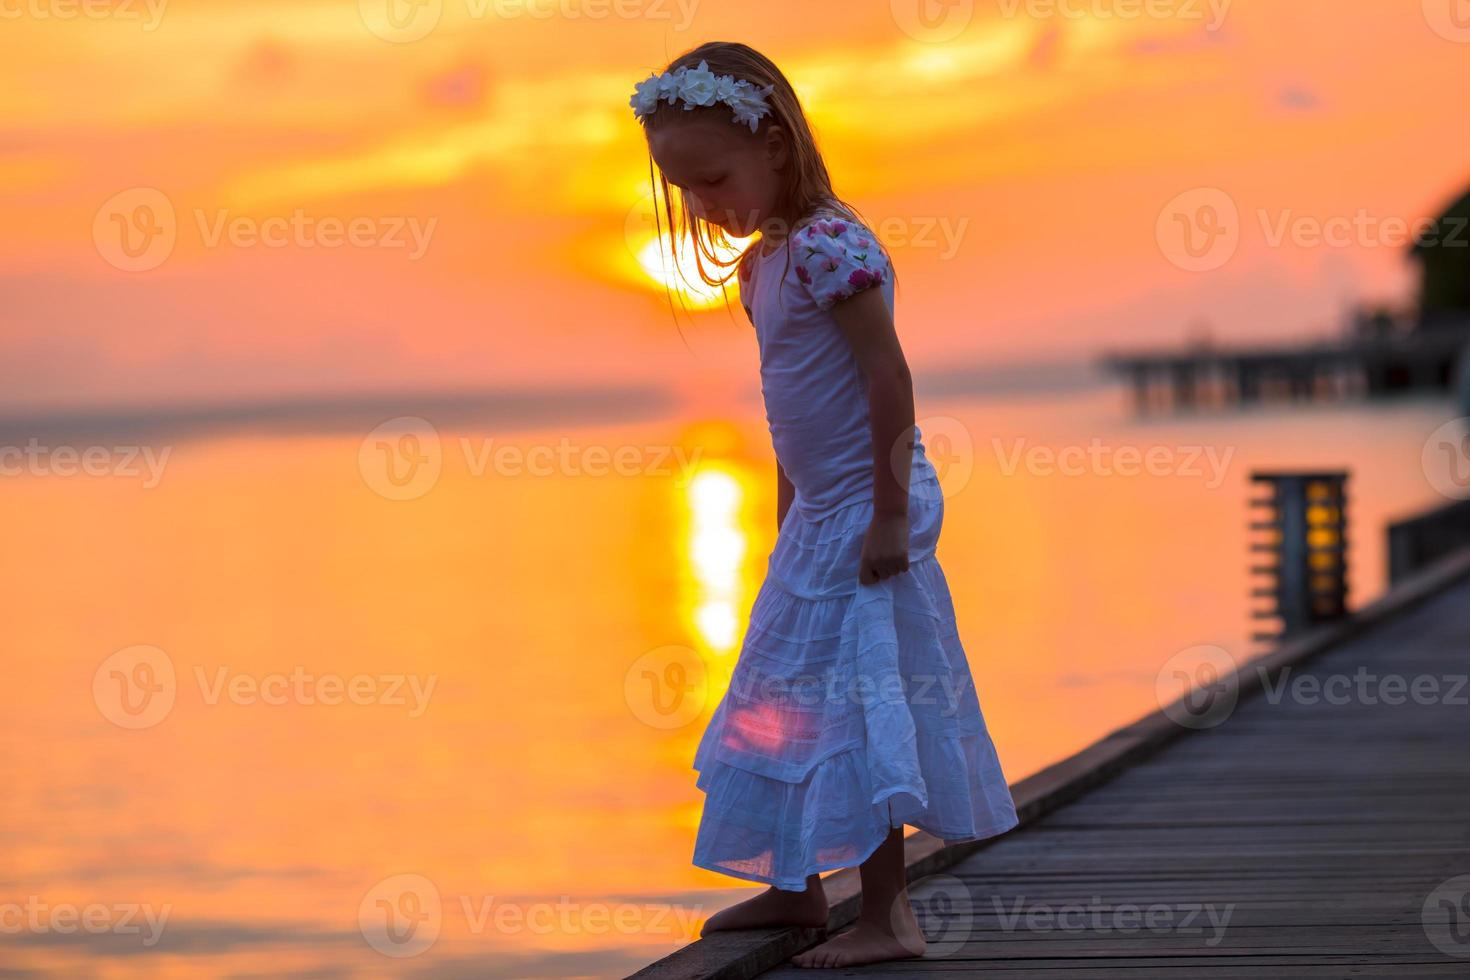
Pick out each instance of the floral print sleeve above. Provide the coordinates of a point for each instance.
(836, 258)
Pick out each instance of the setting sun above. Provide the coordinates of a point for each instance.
(679, 272)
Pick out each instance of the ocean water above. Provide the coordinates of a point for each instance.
(420, 698)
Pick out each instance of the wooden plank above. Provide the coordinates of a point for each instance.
(1172, 968)
(1324, 826)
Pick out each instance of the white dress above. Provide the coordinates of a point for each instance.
(851, 708)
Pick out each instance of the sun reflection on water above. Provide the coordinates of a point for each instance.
(717, 548)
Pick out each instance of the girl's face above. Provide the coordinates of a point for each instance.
(731, 177)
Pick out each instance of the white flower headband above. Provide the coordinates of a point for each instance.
(702, 87)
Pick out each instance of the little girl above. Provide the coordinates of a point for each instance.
(851, 710)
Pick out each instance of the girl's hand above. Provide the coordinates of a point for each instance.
(885, 548)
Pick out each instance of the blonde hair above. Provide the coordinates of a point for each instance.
(806, 187)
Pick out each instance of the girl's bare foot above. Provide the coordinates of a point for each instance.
(870, 941)
(886, 928)
(774, 907)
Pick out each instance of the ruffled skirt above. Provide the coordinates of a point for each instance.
(851, 710)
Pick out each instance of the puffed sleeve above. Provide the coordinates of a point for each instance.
(837, 258)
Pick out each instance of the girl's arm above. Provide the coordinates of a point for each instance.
(868, 326)
(785, 493)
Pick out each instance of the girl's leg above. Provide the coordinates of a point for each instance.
(886, 928)
(774, 907)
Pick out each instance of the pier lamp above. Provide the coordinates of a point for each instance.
(1301, 528)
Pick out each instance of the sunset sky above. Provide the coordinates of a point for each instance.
(1022, 166)
(368, 264)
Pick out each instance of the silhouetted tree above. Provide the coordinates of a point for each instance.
(1443, 251)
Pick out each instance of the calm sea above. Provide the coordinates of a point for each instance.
(301, 700)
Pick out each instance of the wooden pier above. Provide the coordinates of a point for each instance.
(1277, 835)
(1209, 377)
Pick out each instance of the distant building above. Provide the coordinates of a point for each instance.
(1443, 253)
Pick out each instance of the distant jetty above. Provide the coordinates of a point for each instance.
(1355, 368)
(1383, 353)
